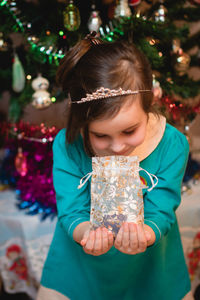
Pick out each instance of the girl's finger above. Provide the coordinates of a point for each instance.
(141, 238)
(83, 242)
(85, 238)
(126, 237)
(110, 239)
(118, 240)
(90, 242)
(98, 240)
(133, 237)
(104, 239)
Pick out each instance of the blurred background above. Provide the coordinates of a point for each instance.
(34, 36)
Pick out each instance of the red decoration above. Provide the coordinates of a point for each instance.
(21, 163)
(176, 109)
(194, 257)
(197, 108)
(195, 1)
(134, 2)
(19, 265)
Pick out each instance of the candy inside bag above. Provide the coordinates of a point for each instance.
(116, 192)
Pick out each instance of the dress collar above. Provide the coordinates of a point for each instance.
(154, 133)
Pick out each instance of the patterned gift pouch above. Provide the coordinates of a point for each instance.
(116, 192)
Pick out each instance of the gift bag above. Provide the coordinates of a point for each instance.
(116, 192)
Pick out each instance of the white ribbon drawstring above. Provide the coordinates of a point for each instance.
(87, 177)
(152, 181)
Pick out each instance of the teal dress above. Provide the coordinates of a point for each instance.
(158, 273)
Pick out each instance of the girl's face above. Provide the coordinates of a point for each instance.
(121, 134)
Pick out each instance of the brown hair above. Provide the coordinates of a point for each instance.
(87, 67)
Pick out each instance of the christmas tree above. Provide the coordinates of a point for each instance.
(35, 35)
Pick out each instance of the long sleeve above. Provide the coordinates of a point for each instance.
(160, 203)
(73, 204)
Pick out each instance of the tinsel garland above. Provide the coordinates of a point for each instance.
(34, 190)
(177, 111)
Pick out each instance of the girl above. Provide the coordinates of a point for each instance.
(111, 113)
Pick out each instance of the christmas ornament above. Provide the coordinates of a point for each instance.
(21, 163)
(182, 62)
(157, 90)
(176, 45)
(3, 44)
(18, 75)
(152, 41)
(160, 14)
(185, 188)
(186, 131)
(41, 98)
(72, 18)
(122, 9)
(195, 1)
(94, 21)
(134, 2)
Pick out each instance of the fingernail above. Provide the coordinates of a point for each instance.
(82, 242)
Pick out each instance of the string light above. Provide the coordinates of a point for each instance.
(28, 77)
(48, 133)
(53, 99)
(3, 3)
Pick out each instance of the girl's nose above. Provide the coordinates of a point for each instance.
(117, 146)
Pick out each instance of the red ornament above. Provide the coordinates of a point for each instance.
(134, 2)
(21, 163)
(195, 1)
(196, 109)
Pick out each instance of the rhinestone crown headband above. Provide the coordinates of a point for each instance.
(103, 93)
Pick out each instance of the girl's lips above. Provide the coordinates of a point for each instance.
(122, 153)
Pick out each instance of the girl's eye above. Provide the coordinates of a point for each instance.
(129, 132)
(100, 135)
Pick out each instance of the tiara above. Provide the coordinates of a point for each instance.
(103, 93)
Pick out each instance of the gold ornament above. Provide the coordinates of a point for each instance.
(3, 44)
(176, 45)
(182, 62)
(72, 18)
(157, 90)
(122, 9)
(41, 97)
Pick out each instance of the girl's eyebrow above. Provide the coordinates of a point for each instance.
(129, 128)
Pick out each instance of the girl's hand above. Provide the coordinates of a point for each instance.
(97, 242)
(134, 238)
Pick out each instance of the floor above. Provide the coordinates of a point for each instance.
(18, 296)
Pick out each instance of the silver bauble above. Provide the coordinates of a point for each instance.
(40, 83)
(160, 14)
(122, 9)
(94, 21)
(41, 99)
